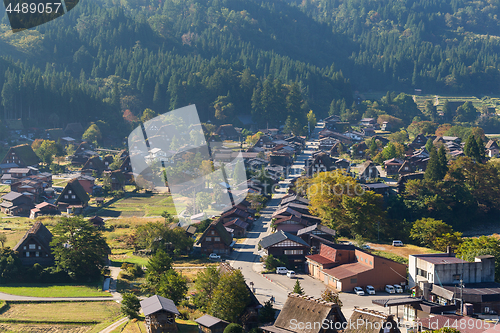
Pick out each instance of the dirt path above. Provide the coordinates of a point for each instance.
(113, 326)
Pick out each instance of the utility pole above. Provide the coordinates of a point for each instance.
(379, 231)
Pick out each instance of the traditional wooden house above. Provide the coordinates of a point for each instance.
(22, 155)
(285, 244)
(227, 132)
(239, 227)
(159, 314)
(236, 213)
(74, 130)
(93, 164)
(43, 208)
(392, 166)
(115, 179)
(368, 170)
(34, 247)
(406, 168)
(14, 203)
(126, 169)
(97, 221)
(492, 149)
(371, 321)
(359, 150)
(311, 313)
(209, 324)
(419, 141)
(319, 163)
(73, 198)
(216, 239)
(317, 234)
(87, 183)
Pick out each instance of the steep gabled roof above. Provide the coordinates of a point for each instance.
(320, 227)
(75, 185)
(221, 230)
(492, 145)
(157, 303)
(228, 130)
(209, 321)
(306, 309)
(39, 232)
(293, 197)
(25, 154)
(237, 222)
(280, 236)
(372, 322)
(11, 196)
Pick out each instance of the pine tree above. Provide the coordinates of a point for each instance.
(433, 170)
(297, 289)
(472, 148)
(481, 152)
(443, 161)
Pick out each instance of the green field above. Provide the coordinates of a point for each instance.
(54, 290)
(492, 101)
(139, 206)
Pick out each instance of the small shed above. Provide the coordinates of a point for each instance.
(209, 324)
(160, 314)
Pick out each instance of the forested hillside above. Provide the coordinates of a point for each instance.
(234, 57)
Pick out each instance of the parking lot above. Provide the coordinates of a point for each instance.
(314, 287)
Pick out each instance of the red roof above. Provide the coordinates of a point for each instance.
(320, 259)
(347, 270)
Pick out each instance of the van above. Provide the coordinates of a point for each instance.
(281, 270)
(290, 274)
(398, 288)
(390, 289)
(397, 243)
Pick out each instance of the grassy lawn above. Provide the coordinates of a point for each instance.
(119, 257)
(54, 290)
(187, 326)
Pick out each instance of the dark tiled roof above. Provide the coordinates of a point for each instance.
(280, 236)
(77, 188)
(11, 196)
(221, 230)
(156, 303)
(320, 227)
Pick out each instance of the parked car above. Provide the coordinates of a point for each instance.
(290, 274)
(359, 291)
(398, 288)
(370, 290)
(397, 243)
(281, 270)
(214, 256)
(390, 289)
(365, 247)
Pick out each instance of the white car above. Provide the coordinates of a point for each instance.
(290, 274)
(390, 289)
(397, 243)
(370, 290)
(398, 288)
(214, 256)
(359, 291)
(281, 270)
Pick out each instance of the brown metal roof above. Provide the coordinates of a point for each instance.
(347, 270)
(320, 259)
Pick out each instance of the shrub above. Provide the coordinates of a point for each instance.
(233, 328)
(130, 305)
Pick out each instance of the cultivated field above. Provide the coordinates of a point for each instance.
(59, 317)
(54, 290)
(139, 206)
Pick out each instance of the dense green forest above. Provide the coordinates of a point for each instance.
(233, 57)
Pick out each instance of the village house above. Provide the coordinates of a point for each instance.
(368, 170)
(406, 168)
(22, 155)
(283, 243)
(93, 164)
(43, 208)
(368, 122)
(34, 247)
(73, 198)
(345, 267)
(291, 224)
(97, 221)
(238, 226)
(160, 313)
(87, 182)
(492, 149)
(317, 234)
(209, 324)
(227, 132)
(74, 130)
(371, 321)
(392, 166)
(310, 312)
(216, 239)
(14, 203)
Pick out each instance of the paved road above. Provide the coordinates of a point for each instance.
(246, 256)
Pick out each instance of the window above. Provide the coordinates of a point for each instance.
(216, 239)
(27, 254)
(212, 233)
(73, 196)
(24, 247)
(39, 247)
(421, 272)
(355, 280)
(69, 191)
(37, 254)
(208, 239)
(366, 260)
(293, 252)
(66, 196)
(32, 246)
(371, 262)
